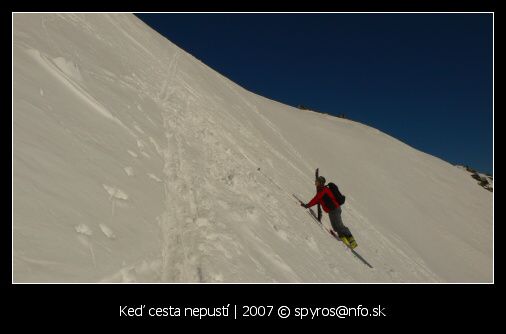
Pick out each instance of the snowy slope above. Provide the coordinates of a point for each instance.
(135, 162)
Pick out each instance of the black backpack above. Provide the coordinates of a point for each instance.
(337, 194)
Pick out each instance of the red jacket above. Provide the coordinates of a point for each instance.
(326, 198)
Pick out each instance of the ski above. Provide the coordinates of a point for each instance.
(316, 174)
(351, 249)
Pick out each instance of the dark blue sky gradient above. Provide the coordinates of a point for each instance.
(425, 79)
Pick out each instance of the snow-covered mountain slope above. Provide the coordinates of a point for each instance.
(135, 162)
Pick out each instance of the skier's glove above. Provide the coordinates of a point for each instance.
(303, 205)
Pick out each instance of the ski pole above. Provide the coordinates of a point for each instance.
(272, 181)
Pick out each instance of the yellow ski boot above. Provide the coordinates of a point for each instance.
(345, 240)
(352, 242)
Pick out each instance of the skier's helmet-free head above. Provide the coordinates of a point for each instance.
(321, 180)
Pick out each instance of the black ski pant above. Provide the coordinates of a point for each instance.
(337, 223)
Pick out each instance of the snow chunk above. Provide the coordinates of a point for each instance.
(129, 171)
(68, 67)
(154, 177)
(83, 229)
(107, 231)
(115, 192)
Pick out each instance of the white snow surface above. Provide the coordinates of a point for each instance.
(135, 162)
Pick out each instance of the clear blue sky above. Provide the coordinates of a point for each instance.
(425, 79)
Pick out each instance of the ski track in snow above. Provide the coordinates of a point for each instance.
(179, 103)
